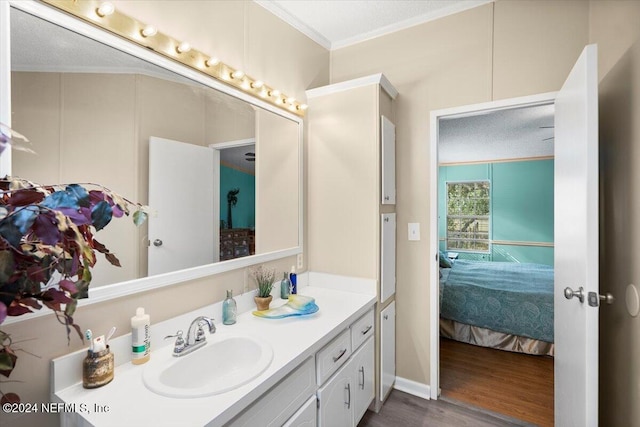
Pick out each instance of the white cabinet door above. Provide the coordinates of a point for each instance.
(387, 256)
(388, 349)
(306, 416)
(388, 136)
(363, 364)
(336, 399)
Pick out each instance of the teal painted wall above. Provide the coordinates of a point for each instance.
(521, 207)
(244, 213)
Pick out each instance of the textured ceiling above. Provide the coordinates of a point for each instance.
(339, 23)
(236, 157)
(504, 134)
(40, 46)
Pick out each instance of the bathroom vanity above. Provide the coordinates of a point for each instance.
(321, 372)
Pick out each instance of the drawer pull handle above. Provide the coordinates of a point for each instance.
(339, 356)
(348, 389)
(365, 330)
(362, 372)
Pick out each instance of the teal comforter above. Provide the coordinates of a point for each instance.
(508, 297)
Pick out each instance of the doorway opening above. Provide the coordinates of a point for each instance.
(492, 226)
(237, 197)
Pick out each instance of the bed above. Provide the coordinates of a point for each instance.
(503, 305)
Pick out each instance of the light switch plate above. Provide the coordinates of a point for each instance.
(414, 231)
(300, 260)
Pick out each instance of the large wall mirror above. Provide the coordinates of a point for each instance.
(221, 171)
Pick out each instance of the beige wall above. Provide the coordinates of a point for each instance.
(343, 183)
(502, 50)
(243, 35)
(277, 182)
(439, 64)
(82, 131)
(617, 33)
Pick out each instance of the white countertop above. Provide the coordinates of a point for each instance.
(293, 340)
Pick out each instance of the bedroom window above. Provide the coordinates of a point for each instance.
(468, 216)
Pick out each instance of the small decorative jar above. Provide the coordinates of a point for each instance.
(97, 368)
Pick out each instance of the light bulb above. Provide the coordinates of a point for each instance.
(257, 84)
(291, 100)
(275, 93)
(303, 107)
(279, 101)
(211, 62)
(105, 9)
(237, 74)
(149, 31)
(264, 93)
(245, 85)
(183, 47)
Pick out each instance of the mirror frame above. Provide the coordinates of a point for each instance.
(134, 286)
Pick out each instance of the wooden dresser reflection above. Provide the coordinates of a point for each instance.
(236, 243)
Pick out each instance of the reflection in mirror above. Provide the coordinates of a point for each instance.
(237, 198)
(91, 111)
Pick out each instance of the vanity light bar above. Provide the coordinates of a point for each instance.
(106, 16)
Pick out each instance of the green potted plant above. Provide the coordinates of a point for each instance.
(48, 247)
(265, 277)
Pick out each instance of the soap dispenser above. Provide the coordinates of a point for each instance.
(229, 309)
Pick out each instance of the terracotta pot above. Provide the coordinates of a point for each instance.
(263, 303)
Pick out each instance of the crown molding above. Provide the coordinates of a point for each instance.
(354, 83)
(295, 23)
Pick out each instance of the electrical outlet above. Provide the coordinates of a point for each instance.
(300, 259)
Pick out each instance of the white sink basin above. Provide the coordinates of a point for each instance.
(222, 364)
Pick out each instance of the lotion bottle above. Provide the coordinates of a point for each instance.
(140, 337)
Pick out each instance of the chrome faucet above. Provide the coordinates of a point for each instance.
(195, 338)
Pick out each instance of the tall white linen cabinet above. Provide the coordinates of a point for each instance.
(351, 197)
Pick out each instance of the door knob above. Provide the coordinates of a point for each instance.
(157, 242)
(570, 293)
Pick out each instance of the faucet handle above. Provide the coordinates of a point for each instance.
(180, 344)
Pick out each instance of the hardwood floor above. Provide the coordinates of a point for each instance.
(404, 410)
(514, 384)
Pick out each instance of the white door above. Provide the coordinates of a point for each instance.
(576, 244)
(388, 162)
(336, 399)
(387, 349)
(363, 393)
(181, 183)
(387, 256)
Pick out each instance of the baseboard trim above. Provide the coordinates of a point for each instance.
(412, 387)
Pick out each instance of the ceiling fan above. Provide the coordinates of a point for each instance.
(547, 127)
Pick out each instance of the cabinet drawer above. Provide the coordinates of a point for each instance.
(333, 355)
(362, 329)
